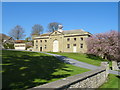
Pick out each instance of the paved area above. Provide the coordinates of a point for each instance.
(74, 62)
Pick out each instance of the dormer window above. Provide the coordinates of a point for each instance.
(45, 40)
(40, 40)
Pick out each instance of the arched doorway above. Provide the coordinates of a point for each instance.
(55, 46)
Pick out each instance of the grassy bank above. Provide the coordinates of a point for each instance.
(113, 82)
(22, 69)
(90, 59)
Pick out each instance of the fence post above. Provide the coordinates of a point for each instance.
(106, 66)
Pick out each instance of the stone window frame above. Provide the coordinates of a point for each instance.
(74, 44)
(36, 41)
(81, 38)
(45, 47)
(36, 46)
(17, 46)
(45, 40)
(75, 39)
(68, 45)
(81, 45)
(40, 40)
(68, 39)
(22, 45)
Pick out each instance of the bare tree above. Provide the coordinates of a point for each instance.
(53, 26)
(37, 29)
(17, 32)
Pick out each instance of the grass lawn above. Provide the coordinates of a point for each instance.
(113, 82)
(90, 59)
(112, 79)
(22, 69)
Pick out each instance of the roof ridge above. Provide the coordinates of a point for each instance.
(74, 30)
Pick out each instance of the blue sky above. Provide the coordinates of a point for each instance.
(94, 17)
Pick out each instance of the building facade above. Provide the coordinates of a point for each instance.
(20, 45)
(62, 41)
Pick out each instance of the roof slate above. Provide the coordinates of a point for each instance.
(76, 31)
(19, 41)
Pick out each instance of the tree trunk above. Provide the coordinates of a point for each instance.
(114, 65)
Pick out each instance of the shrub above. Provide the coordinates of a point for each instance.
(8, 46)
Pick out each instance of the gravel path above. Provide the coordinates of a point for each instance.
(73, 61)
(78, 63)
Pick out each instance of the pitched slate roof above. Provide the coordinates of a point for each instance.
(3, 36)
(76, 31)
(6, 39)
(19, 41)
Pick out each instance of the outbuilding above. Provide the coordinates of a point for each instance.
(20, 45)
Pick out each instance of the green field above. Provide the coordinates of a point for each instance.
(90, 59)
(22, 69)
(113, 82)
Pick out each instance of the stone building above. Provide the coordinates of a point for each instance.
(20, 45)
(62, 41)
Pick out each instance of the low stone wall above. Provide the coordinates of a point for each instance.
(91, 79)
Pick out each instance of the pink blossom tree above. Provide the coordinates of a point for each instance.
(105, 45)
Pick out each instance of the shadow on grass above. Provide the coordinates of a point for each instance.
(94, 57)
(23, 70)
(118, 77)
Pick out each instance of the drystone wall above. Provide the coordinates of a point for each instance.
(90, 79)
